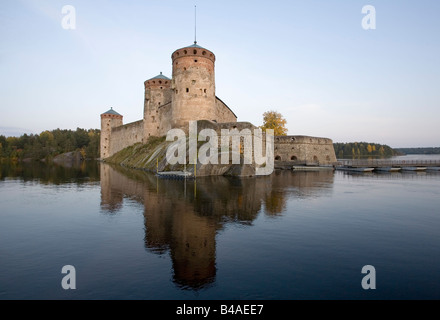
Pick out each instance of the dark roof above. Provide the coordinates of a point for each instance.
(195, 45)
(111, 111)
(160, 76)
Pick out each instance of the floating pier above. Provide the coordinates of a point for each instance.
(355, 169)
(388, 165)
(388, 169)
(175, 175)
(311, 168)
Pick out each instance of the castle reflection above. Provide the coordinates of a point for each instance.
(182, 217)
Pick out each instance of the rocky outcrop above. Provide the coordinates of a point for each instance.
(152, 157)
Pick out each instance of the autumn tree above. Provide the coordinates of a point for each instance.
(274, 120)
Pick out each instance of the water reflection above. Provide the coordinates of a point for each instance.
(183, 217)
(51, 173)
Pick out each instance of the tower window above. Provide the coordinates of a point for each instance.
(204, 52)
(160, 82)
(204, 90)
(185, 52)
(195, 60)
(195, 51)
(161, 88)
(187, 89)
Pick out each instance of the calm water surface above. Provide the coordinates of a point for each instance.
(293, 235)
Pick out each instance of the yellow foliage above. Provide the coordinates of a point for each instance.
(274, 120)
(47, 135)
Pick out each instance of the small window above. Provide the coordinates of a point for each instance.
(293, 158)
(204, 90)
(204, 52)
(161, 88)
(184, 69)
(187, 89)
(154, 81)
(193, 81)
(160, 82)
(195, 51)
(177, 91)
(185, 52)
(277, 158)
(159, 103)
(195, 60)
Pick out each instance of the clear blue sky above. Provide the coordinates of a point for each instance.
(310, 60)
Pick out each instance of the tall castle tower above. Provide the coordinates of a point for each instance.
(193, 85)
(109, 120)
(157, 95)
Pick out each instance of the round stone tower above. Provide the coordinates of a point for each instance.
(193, 85)
(109, 120)
(157, 94)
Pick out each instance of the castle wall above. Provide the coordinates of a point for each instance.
(304, 150)
(165, 119)
(126, 135)
(223, 113)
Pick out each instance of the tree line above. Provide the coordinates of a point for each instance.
(49, 144)
(363, 150)
(419, 150)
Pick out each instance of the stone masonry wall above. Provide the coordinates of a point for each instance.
(126, 135)
(304, 150)
(224, 114)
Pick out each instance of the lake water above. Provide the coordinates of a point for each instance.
(292, 235)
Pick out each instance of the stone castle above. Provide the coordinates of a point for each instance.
(190, 95)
